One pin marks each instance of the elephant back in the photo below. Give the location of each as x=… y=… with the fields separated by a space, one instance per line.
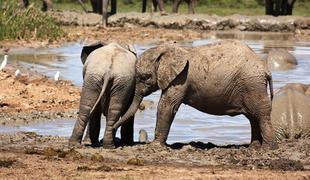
x=290 y=115
x=281 y=59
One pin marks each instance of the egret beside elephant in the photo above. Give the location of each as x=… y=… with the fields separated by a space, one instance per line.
x=108 y=87
x=224 y=78
x=291 y=112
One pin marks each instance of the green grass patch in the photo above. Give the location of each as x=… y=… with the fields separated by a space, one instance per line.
x=26 y=23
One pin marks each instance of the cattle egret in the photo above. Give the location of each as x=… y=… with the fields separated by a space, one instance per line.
x=56 y=77
x=17 y=72
x=4 y=62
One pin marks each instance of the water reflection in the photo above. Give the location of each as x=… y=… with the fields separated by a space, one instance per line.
x=189 y=124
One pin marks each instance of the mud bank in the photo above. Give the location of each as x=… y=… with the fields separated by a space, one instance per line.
x=32 y=97
x=26 y=152
x=188 y=21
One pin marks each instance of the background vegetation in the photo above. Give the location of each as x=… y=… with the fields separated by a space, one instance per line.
x=26 y=23
x=19 y=23
x=218 y=7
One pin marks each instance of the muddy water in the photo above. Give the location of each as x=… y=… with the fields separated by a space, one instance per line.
x=189 y=124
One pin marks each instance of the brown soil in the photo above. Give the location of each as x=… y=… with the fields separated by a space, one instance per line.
x=32 y=97
x=27 y=155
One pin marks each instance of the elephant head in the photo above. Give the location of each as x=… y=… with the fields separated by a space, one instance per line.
x=88 y=49
x=155 y=69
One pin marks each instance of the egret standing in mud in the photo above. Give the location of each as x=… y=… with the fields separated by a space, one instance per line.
x=17 y=73
x=4 y=62
x=56 y=77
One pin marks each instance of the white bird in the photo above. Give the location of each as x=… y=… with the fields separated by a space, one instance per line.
x=4 y=62
x=17 y=72
x=56 y=77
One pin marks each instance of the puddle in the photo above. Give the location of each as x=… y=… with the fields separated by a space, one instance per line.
x=189 y=124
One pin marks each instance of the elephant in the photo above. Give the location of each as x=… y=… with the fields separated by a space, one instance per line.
x=224 y=78
x=46 y=4
x=97 y=6
x=191 y=4
x=175 y=6
x=290 y=114
x=108 y=87
x=155 y=3
x=280 y=59
x=279 y=7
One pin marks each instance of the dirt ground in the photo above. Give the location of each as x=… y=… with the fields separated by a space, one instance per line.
x=32 y=97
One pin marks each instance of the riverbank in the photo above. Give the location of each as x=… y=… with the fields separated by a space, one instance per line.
x=31 y=97
x=33 y=156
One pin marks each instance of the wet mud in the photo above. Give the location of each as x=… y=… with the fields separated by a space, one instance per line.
x=290 y=160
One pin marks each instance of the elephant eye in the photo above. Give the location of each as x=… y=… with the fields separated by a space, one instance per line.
x=145 y=77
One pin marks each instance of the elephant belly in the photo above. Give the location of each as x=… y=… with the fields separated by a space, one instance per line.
x=216 y=105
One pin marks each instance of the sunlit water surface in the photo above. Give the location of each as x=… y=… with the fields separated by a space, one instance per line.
x=189 y=123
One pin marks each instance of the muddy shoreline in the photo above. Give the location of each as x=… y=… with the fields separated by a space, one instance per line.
x=195 y=159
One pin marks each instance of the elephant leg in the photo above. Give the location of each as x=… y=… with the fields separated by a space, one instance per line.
x=168 y=105
x=256 y=137
x=155 y=5
x=94 y=126
x=191 y=6
x=117 y=104
x=175 y=6
x=160 y=4
x=144 y=4
x=278 y=7
x=127 y=132
x=258 y=110
x=89 y=96
x=269 y=7
x=113 y=7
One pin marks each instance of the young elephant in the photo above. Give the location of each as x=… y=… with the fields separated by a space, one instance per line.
x=290 y=114
x=225 y=78
x=108 y=87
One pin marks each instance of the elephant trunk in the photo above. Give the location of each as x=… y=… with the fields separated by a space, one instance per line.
x=130 y=112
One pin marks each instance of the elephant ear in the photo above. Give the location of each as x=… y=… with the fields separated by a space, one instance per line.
x=88 y=49
x=171 y=64
x=132 y=49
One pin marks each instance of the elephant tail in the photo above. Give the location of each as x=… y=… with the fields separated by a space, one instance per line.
x=103 y=90
x=269 y=79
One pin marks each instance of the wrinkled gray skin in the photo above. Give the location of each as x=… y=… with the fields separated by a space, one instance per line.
x=281 y=59
x=225 y=78
x=108 y=87
x=291 y=112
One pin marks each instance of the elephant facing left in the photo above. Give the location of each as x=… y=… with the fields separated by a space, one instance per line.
x=108 y=89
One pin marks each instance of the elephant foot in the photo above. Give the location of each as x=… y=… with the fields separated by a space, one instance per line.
x=156 y=143
x=108 y=146
x=255 y=145
x=270 y=146
x=73 y=143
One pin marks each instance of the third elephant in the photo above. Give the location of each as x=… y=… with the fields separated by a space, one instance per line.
x=291 y=112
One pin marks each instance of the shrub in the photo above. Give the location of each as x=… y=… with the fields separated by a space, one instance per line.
x=26 y=23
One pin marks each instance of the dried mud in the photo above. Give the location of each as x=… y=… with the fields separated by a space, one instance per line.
x=31 y=97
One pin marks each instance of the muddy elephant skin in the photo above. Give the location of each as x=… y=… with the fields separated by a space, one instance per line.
x=108 y=87
x=280 y=60
x=197 y=77
x=291 y=112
